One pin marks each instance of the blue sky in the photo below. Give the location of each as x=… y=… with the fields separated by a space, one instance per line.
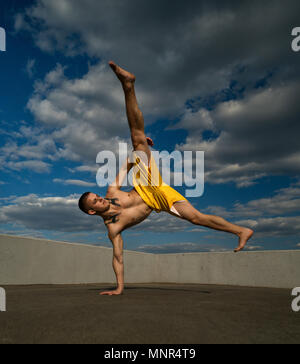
x=213 y=77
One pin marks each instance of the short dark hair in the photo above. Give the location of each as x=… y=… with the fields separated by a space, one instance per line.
x=82 y=202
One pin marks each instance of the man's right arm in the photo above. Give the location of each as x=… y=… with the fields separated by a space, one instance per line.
x=118 y=264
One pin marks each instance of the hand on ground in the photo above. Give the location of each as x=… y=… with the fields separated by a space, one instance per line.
x=111 y=293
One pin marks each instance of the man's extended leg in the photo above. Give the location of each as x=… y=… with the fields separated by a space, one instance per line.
x=134 y=114
x=188 y=212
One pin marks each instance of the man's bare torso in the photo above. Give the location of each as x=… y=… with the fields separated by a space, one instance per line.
x=126 y=209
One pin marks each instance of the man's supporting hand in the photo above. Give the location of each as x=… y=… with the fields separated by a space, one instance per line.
x=112 y=293
x=118 y=264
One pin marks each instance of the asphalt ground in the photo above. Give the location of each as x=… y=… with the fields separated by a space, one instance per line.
x=149 y=314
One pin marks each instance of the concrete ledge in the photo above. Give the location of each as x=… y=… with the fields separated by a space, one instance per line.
x=26 y=261
x=277 y=269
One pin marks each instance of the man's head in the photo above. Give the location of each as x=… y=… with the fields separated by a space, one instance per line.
x=92 y=204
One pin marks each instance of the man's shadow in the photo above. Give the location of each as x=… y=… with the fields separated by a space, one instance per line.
x=153 y=288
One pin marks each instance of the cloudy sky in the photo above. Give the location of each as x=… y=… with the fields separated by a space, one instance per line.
x=213 y=76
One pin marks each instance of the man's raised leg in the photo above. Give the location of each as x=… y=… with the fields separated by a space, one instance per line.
x=134 y=114
x=188 y=212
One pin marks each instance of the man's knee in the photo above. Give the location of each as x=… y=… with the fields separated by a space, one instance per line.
x=198 y=218
x=139 y=143
x=194 y=219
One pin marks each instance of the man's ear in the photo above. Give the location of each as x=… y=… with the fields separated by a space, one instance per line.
x=91 y=212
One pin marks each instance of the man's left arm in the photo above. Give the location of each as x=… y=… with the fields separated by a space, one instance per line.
x=124 y=170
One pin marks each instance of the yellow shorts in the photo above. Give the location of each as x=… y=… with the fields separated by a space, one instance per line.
x=150 y=186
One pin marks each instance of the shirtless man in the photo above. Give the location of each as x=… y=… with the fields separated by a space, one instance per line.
x=121 y=210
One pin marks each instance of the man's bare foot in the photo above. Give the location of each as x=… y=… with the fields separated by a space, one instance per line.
x=125 y=77
x=245 y=235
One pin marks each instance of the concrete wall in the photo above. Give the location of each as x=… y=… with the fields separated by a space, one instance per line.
x=279 y=269
x=36 y=261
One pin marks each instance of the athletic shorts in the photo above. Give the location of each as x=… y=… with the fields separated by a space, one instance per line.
x=149 y=185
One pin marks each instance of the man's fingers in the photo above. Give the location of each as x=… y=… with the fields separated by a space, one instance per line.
x=109 y=293
x=150 y=141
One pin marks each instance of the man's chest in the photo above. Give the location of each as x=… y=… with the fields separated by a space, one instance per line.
x=131 y=210
x=124 y=200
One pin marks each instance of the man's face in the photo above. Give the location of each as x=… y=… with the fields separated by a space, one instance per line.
x=95 y=203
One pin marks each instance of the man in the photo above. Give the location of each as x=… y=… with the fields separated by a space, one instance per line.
x=121 y=210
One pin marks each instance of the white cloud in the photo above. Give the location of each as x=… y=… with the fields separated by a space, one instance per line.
x=254 y=140
x=284 y=201
x=276 y=226
x=32 y=165
x=34 y=154
x=183 y=53
x=253 y=247
x=185 y=247
x=48 y=213
x=72 y=182
x=84 y=168
x=88 y=113
x=30 y=67
x=62 y=214
x=266 y=215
